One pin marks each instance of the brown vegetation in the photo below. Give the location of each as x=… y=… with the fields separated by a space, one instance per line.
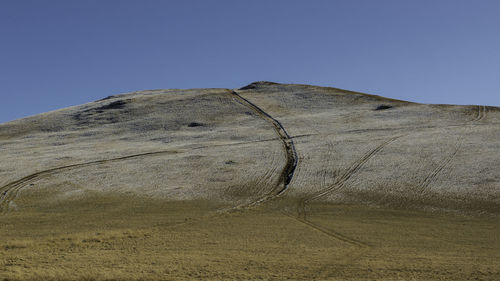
x=271 y=181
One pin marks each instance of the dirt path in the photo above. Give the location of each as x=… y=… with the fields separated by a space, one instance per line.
x=288 y=145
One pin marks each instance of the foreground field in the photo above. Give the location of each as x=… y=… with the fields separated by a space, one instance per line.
x=126 y=238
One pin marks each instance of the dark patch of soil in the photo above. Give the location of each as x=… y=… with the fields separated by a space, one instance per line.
x=195 y=124
x=119 y=104
x=97 y=115
x=383 y=107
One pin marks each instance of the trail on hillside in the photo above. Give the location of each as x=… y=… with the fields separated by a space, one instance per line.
x=331 y=233
x=291 y=165
x=341 y=181
x=338 y=184
x=481 y=114
x=288 y=145
x=424 y=184
x=431 y=177
x=9 y=191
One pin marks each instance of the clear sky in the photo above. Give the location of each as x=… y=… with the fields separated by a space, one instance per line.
x=56 y=54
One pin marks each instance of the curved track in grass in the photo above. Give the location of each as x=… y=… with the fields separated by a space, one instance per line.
x=288 y=145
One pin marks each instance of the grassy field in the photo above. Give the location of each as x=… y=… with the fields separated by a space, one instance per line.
x=270 y=181
x=128 y=238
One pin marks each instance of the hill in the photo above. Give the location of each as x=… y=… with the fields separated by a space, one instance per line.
x=347 y=176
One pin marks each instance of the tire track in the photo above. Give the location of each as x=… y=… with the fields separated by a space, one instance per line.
x=478 y=116
x=434 y=173
x=288 y=145
x=329 y=159
x=329 y=232
x=481 y=114
x=9 y=191
x=338 y=184
x=268 y=177
x=424 y=184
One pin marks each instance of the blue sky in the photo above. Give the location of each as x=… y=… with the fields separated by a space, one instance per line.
x=56 y=54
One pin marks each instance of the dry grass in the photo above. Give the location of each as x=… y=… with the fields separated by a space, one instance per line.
x=181 y=184
x=128 y=238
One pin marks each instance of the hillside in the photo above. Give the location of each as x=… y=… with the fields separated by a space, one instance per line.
x=338 y=165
